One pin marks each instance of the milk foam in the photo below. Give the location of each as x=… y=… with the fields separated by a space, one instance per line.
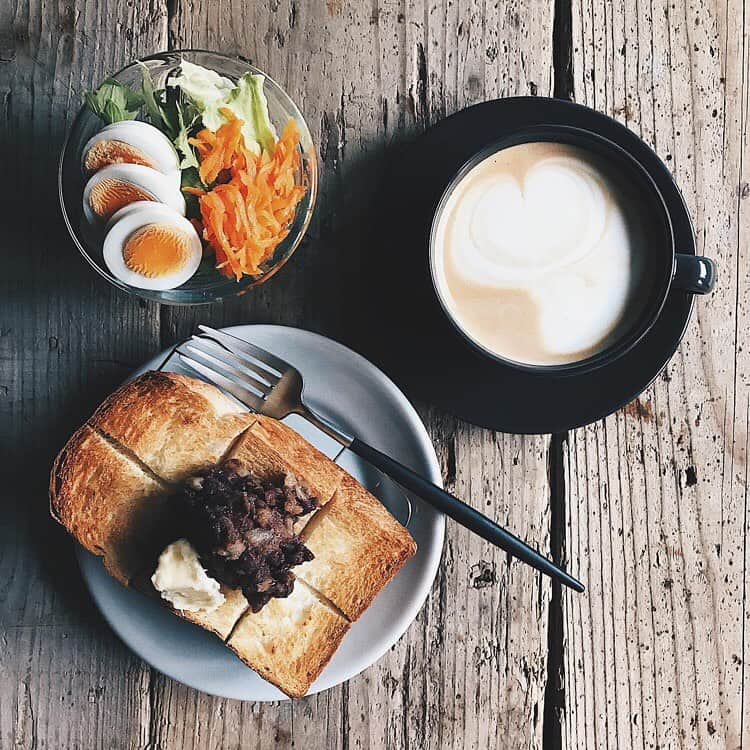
x=536 y=235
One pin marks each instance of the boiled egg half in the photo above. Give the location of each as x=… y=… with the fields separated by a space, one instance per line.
x=117 y=185
x=151 y=246
x=131 y=142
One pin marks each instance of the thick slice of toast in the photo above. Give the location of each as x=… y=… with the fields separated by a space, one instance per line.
x=173 y=424
x=290 y=640
x=270 y=447
x=108 y=503
x=358 y=546
x=221 y=621
x=109 y=487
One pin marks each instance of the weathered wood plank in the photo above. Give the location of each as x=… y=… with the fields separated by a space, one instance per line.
x=66 y=339
x=471 y=671
x=656 y=494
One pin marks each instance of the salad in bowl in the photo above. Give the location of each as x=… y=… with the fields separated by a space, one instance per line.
x=187 y=177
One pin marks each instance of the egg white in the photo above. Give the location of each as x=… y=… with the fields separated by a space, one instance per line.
x=160 y=186
x=130 y=219
x=147 y=139
x=134 y=207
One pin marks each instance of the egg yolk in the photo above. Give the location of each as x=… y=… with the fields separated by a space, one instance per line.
x=108 y=152
x=156 y=250
x=110 y=195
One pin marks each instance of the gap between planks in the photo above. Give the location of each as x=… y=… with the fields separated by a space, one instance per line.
x=554 y=692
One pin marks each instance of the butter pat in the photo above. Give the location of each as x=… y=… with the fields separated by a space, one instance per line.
x=182 y=581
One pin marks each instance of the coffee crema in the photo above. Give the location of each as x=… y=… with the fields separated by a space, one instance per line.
x=535 y=253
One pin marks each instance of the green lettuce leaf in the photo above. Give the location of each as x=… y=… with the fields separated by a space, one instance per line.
x=191 y=178
x=189 y=158
x=248 y=103
x=206 y=88
x=152 y=100
x=172 y=113
x=211 y=93
x=114 y=101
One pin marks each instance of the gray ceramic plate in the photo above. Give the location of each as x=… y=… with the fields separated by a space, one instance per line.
x=349 y=391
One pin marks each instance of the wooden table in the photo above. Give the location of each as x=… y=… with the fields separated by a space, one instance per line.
x=648 y=506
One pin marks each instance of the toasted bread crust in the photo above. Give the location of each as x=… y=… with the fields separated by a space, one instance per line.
x=289 y=641
x=270 y=447
x=109 y=488
x=358 y=546
x=107 y=503
x=175 y=425
x=221 y=621
x=307 y=462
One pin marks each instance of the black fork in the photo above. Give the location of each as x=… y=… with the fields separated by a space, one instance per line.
x=271 y=386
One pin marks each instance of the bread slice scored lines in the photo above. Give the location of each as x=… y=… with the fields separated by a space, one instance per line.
x=110 y=484
x=222 y=621
x=126 y=529
x=290 y=641
x=173 y=424
x=258 y=448
x=110 y=487
x=358 y=546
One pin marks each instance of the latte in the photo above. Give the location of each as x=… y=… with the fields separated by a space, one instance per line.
x=536 y=253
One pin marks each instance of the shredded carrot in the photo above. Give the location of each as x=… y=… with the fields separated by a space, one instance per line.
x=247 y=212
x=193 y=190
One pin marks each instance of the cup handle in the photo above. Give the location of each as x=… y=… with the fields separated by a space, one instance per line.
x=694 y=273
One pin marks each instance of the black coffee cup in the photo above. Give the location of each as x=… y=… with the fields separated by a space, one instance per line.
x=665 y=269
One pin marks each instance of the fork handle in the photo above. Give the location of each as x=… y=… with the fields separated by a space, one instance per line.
x=462 y=513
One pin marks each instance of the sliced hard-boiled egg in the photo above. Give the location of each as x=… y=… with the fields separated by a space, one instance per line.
x=151 y=246
x=132 y=208
x=116 y=185
x=131 y=142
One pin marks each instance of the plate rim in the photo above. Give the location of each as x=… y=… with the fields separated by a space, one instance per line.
x=434 y=554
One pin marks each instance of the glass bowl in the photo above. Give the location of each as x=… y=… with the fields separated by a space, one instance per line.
x=207 y=285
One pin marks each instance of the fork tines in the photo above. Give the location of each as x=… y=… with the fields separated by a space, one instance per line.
x=263 y=357
x=242 y=394
x=244 y=374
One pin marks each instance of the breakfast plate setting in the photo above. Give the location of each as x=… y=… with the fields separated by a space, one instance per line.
x=165 y=508
x=264 y=499
x=374 y=375
x=364 y=397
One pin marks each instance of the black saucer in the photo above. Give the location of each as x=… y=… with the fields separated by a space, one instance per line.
x=419 y=347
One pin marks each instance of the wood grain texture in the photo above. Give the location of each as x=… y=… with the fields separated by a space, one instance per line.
x=657 y=494
x=655 y=654
x=66 y=339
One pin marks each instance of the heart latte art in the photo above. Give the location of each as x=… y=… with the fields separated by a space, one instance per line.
x=533 y=254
